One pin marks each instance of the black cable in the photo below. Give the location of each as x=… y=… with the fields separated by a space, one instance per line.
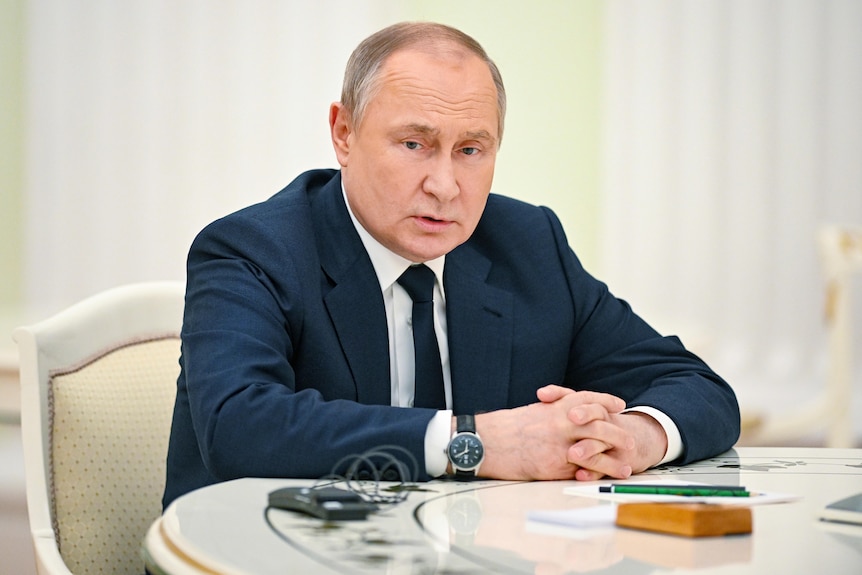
x=363 y=476
x=365 y=472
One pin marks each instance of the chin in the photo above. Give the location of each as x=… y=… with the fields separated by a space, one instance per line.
x=424 y=249
x=424 y=255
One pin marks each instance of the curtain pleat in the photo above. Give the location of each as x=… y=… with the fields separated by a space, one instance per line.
x=733 y=131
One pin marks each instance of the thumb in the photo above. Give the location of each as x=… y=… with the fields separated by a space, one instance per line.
x=551 y=393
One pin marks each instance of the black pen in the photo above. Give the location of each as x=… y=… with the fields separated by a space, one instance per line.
x=683 y=490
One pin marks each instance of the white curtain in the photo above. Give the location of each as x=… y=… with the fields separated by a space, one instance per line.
x=733 y=131
x=147 y=119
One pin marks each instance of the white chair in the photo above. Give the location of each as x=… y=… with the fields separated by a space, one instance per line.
x=830 y=410
x=98 y=381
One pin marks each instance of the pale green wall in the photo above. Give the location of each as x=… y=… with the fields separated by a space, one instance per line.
x=11 y=150
x=549 y=53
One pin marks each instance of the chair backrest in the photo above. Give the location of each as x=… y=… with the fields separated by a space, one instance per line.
x=841 y=253
x=98 y=382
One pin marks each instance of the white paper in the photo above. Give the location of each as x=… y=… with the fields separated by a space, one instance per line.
x=593 y=516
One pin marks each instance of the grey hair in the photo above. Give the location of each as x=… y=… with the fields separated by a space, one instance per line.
x=363 y=68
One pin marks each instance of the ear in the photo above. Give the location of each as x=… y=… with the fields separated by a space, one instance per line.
x=340 y=128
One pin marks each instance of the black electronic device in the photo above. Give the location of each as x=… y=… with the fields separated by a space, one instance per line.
x=328 y=503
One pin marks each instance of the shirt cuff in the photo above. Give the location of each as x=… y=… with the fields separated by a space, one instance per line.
x=436 y=439
x=674 y=439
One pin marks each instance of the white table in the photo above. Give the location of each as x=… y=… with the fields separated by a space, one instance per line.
x=481 y=527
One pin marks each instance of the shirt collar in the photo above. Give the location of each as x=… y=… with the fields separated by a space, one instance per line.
x=387 y=264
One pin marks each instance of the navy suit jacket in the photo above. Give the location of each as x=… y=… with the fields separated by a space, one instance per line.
x=285 y=356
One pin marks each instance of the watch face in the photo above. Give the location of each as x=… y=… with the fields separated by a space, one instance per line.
x=466 y=451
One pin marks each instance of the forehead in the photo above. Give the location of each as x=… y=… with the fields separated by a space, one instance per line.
x=449 y=83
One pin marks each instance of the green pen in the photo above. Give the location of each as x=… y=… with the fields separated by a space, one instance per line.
x=683 y=490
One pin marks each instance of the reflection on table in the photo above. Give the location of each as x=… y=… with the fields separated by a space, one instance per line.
x=481 y=527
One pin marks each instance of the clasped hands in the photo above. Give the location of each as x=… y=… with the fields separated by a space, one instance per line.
x=569 y=434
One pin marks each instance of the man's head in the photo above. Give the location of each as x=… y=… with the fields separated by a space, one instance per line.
x=361 y=76
x=416 y=134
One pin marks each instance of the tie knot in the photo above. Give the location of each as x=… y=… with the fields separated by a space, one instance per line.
x=418 y=281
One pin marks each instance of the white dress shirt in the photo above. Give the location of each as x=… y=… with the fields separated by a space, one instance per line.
x=399 y=311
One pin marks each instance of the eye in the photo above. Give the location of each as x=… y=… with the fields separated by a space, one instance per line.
x=469 y=151
x=412 y=145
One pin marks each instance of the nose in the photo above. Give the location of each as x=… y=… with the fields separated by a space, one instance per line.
x=441 y=181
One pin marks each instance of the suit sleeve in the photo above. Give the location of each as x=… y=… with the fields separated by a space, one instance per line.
x=615 y=351
x=247 y=304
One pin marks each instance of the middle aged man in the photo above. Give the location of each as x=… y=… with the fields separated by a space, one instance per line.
x=297 y=348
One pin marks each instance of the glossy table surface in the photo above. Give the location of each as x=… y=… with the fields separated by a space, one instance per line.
x=482 y=527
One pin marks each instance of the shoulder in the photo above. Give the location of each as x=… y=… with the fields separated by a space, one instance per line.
x=512 y=221
x=521 y=241
x=297 y=195
x=272 y=236
x=286 y=211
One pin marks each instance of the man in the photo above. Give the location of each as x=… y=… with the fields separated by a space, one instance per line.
x=297 y=350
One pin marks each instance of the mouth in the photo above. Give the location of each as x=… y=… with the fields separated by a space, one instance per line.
x=431 y=223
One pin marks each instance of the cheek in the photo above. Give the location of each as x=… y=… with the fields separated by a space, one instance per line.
x=395 y=185
x=476 y=208
x=475 y=195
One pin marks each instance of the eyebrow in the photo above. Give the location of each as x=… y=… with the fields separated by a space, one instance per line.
x=479 y=135
x=419 y=128
x=428 y=130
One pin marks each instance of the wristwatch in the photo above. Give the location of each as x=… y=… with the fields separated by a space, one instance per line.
x=465 y=449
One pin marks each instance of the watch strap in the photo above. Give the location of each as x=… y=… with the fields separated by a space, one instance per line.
x=465 y=423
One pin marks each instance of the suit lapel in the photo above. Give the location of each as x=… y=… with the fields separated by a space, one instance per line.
x=480 y=323
x=479 y=315
x=354 y=302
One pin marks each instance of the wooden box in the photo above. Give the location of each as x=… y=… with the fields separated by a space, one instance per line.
x=687 y=519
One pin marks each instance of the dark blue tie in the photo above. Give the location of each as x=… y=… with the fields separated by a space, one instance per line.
x=418 y=281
